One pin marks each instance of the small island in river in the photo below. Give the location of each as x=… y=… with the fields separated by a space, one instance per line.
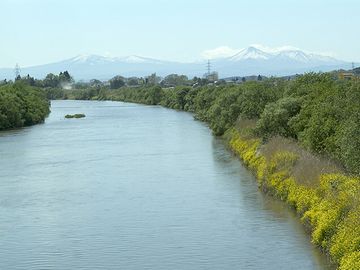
x=77 y=115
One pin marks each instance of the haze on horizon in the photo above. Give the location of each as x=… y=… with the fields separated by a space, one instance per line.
x=43 y=31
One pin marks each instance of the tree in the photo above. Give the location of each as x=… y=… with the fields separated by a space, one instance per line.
x=276 y=117
x=64 y=77
x=28 y=80
x=95 y=83
x=255 y=97
x=174 y=80
x=117 y=82
x=349 y=144
x=133 y=81
x=152 y=79
x=180 y=97
x=51 y=80
x=155 y=94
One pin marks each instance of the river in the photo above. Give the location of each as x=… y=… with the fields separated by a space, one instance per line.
x=137 y=187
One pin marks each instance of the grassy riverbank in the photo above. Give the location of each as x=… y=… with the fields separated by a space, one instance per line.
x=301 y=139
x=327 y=201
x=22 y=105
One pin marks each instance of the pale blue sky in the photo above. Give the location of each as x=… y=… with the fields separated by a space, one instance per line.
x=42 y=31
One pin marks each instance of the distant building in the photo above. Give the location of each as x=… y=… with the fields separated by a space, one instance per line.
x=346 y=75
x=212 y=76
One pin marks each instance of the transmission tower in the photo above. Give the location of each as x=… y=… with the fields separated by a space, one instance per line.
x=208 y=66
x=17 y=71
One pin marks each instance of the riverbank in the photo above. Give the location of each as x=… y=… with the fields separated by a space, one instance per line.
x=330 y=209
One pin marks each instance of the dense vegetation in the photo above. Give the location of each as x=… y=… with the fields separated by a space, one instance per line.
x=301 y=138
x=22 y=105
x=318 y=111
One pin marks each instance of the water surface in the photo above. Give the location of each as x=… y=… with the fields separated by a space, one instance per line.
x=137 y=187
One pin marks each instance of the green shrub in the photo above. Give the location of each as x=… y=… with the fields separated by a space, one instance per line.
x=22 y=105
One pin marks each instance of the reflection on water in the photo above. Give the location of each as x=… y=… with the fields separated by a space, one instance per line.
x=137 y=187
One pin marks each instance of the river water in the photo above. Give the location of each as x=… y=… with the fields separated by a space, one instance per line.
x=137 y=187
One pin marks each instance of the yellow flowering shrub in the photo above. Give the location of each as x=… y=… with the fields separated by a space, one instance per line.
x=331 y=208
x=350 y=261
x=347 y=238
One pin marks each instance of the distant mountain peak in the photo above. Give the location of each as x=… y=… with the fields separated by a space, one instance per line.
x=296 y=55
x=135 y=59
x=90 y=58
x=80 y=58
x=98 y=59
x=286 y=53
x=250 y=53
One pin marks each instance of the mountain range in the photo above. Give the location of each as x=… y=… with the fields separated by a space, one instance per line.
x=249 y=61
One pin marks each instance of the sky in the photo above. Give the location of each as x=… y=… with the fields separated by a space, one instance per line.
x=36 y=32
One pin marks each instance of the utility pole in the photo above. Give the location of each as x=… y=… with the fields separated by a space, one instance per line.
x=17 y=71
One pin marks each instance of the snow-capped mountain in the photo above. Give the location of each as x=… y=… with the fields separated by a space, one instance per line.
x=292 y=54
x=92 y=59
x=276 y=62
x=98 y=59
x=295 y=55
x=134 y=59
x=253 y=60
x=250 y=53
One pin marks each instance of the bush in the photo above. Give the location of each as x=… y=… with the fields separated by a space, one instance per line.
x=350 y=261
x=275 y=118
x=22 y=105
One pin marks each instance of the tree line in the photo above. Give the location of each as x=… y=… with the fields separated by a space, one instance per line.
x=315 y=109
